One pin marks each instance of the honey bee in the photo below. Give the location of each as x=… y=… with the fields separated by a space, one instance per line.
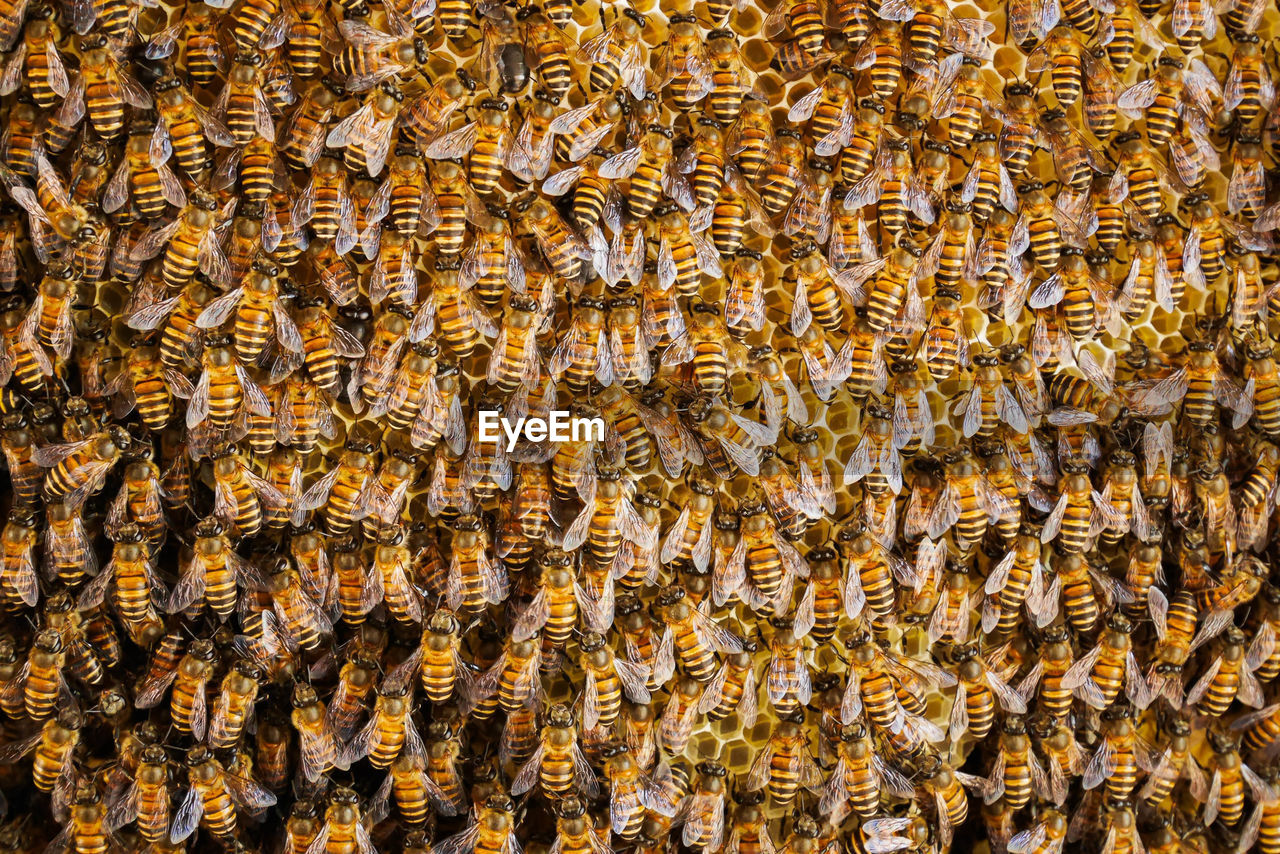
x=979 y=690
x=344 y=826
x=1174 y=762
x=231 y=709
x=785 y=766
x=653 y=171
x=366 y=135
x=683 y=66
x=930 y=26
x=558 y=763
x=860 y=776
x=896 y=188
x=188 y=703
x=563 y=250
x=186 y=124
x=492 y=831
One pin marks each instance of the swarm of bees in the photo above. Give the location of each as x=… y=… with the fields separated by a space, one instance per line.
x=937 y=492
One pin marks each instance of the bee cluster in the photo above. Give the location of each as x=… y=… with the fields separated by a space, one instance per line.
x=936 y=496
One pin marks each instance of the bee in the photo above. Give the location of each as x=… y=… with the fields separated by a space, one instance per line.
x=44 y=674
x=1088 y=303
x=390 y=732
x=591 y=192
x=108 y=87
x=558 y=763
x=232 y=708
x=78 y=469
x=205 y=56
x=691 y=637
x=68 y=550
x=653 y=171
x=979 y=690
x=367 y=134
x=929 y=25
x=1173 y=93
x=342 y=490
x=1141 y=176
x=608 y=677
x=946 y=341
x=53 y=746
x=896 y=188
x=1231 y=675
x=728 y=440
x=562 y=249
x=1099 y=676
x=989 y=401
x=1201 y=384
x=242 y=499
x=297 y=614
x=370 y=56
x=186 y=124
x=876 y=457
x=212 y=573
x=327 y=205
x=860 y=776
x=513 y=676
x=415 y=793
x=817 y=292
x=302 y=826
x=344 y=827
x=488 y=140
x=18 y=579
x=144 y=173
x=188 y=704
x=785 y=766
x=474 y=576
x=549 y=50
x=833 y=125
x=1017 y=772
x=707 y=346
x=1231 y=783
x=258 y=308
x=243 y=105
x=1172 y=764
x=704 y=824
x=301 y=137
x=492 y=832
x=617 y=56
x=443 y=754
x=23 y=141
x=575 y=833
x=683 y=65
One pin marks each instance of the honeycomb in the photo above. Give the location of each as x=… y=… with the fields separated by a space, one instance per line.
x=128 y=650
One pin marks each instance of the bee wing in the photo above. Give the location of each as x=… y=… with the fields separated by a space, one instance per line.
x=217 y=311
x=621 y=165
x=1202 y=684
x=187 y=816
x=1135 y=685
x=1010 y=699
x=714 y=634
x=747 y=459
x=1212 y=626
x=350 y=131
x=190 y=587
x=802 y=109
x=1137 y=98
x=316 y=749
x=1213 y=801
